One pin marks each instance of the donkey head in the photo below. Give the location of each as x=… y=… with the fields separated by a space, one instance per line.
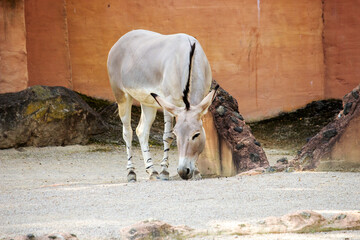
x=189 y=132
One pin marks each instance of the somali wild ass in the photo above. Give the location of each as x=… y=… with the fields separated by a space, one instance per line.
x=168 y=71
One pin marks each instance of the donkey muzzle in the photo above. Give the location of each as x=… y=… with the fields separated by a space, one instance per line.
x=185 y=172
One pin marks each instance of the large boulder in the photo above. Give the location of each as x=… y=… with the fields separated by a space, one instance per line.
x=43 y=116
x=230 y=148
x=337 y=146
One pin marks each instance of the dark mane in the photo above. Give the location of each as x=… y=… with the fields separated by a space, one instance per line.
x=187 y=88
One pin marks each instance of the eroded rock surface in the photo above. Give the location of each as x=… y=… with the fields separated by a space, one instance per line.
x=337 y=146
x=245 y=151
x=44 y=116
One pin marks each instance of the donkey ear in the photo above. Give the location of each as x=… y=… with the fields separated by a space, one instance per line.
x=171 y=108
x=206 y=102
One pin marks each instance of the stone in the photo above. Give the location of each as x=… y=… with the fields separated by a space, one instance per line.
x=355 y=94
x=271 y=169
x=238 y=129
x=257 y=143
x=347 y=108
x=336 y=146
x=221 y=110
x=239 y=116
x=328 y=134
x=254 y=157
x=43 y=116
x=283 y=160
x=239 y=146
x=230 y=145
x=154 y=229
x=55 y=236
x=234 y=119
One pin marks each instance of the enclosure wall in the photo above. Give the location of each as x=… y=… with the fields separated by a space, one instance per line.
x=272 y=56
x=13 y=61
x=341 y=46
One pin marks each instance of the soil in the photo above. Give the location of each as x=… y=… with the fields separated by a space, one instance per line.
x=83 y=190
x=292 y=130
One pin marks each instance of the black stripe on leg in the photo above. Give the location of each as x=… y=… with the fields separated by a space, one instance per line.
x=149 y=160
x=149 y=166
x=166 y=150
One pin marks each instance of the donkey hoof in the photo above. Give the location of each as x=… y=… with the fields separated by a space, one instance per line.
x=154 y=175
x=131 y=177
x=164 y=175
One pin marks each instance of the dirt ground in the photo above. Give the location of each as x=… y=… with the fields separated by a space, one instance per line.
x=83 y=190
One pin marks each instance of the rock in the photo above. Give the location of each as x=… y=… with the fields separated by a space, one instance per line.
x=347 y=108
x=283 y=160
x=238 y=147
x=336 y=146
x=257 y=143
x=254 y=157
x=42 y=116
x=54 y=236
x=221 y=110
x=238 y=129
x=355 y=94
x=271 y=169
x=234 y=119
x=346 y=220
x=153 y=229
x=238 y=115
x=328 y=134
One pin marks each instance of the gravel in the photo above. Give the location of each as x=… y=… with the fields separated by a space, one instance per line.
x=83 y=190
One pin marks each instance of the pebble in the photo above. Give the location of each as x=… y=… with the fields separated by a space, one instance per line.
x=254 y=157
x=347 y=108
x=329 y=134
x=283 y=160
x=234 y=119
x=355 y=94
x=238 y=115
x=221 y=110
x=239 y=146
x=257 y=143
x=238 y=129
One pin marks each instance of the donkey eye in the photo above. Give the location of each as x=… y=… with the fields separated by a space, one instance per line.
x=195 y=136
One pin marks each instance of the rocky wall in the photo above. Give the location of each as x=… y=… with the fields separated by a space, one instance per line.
x=13 y=61
x=267 y=54
x=47 y=43
x=341 y=46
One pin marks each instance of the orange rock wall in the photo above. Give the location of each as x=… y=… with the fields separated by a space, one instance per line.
x=341 y=46
x=13 y=61
x=47 y=43
x=268 y=54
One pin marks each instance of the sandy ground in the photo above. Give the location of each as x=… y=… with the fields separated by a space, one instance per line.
x=83 y=190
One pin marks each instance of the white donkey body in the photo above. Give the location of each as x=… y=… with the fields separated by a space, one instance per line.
x=169 y=66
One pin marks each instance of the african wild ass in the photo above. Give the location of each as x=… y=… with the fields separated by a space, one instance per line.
x=167 y=70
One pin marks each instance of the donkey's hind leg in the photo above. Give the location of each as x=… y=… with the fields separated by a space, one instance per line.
x=142 y=131
x=124 y=105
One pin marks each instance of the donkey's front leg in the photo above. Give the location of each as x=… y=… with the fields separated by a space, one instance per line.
x=168 y=137
x=142 y=131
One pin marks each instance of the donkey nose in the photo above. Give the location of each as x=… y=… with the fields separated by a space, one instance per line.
x=185 y=173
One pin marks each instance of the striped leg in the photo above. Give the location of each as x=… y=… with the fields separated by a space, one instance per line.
x=142 y=131
x=168 y=137
x=125 y=116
